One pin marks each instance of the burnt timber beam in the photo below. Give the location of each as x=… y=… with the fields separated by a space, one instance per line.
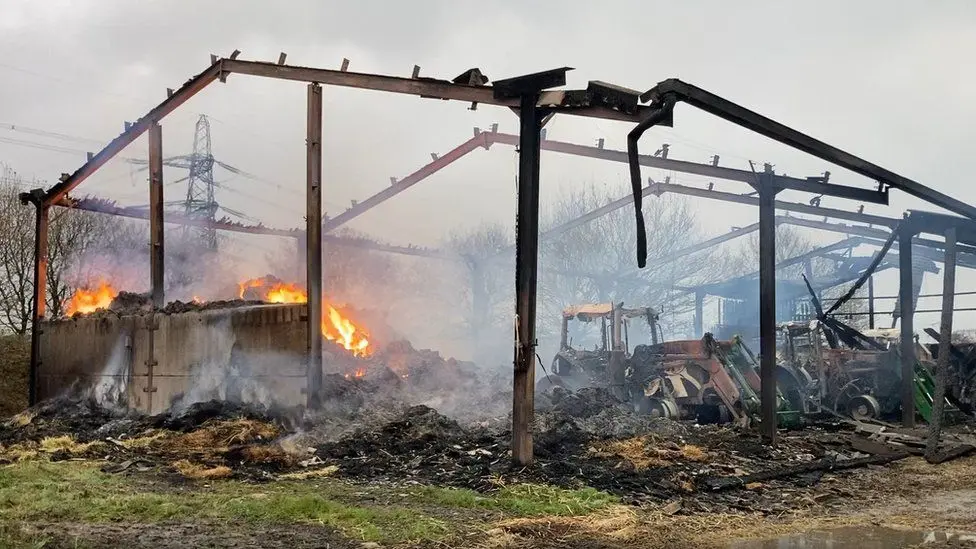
x=156 y=242
x=313 y=232
x=675 y=90
x=573 y=102
x=401 y=185
x=133 y=132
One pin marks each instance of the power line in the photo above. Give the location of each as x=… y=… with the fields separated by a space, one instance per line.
x=45 y=133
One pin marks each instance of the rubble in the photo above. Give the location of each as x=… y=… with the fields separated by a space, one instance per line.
x=371 y=429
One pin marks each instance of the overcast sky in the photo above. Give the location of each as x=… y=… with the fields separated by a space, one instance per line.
x=888 y=80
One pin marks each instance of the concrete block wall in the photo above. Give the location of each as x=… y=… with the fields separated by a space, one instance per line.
x=253 y=353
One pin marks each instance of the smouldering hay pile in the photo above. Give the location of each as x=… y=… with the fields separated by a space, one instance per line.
x=585 y=439
x=648 y=451
x=204 y=442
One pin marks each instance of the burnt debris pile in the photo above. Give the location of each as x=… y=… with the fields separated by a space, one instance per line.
x=368 y=430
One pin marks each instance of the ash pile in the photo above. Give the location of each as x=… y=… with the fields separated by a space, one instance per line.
x=414 y=417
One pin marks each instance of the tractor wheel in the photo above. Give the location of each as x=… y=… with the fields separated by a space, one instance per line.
x=658 y=407
x=864 y=407
x=548 y=383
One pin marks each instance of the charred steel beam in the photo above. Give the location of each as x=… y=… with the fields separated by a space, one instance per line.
x=99 y=206
x=699 y=310
x=923 y=247
x=707 y=170
x=188 y=90
x=905 y=291
x=945 y=344
x=156 y=243
x=39 y=298
x=674 y=89
x=661 y=188
x=574 y=102
x=527 y=259
x=767 y=190
x=936 y=223
x=871 y=302
x=313 y=232
x=401 y=185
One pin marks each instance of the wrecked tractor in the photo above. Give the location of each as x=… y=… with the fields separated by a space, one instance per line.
x=707 y=380
x=575 y=367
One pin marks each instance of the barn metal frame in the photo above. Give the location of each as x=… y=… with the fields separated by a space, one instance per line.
x=535 y=102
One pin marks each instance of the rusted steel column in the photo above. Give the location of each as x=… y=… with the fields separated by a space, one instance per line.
x=41 y=221
x=767 y=306
x=313 y=234
x=156 y=252
x=871 y=302
x=699 y=306
x=564 y=334
x=526 y=272
x=301 y=257
x=945 y=343
x=907 y=313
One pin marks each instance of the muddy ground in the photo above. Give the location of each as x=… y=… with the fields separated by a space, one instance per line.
x=375 y=460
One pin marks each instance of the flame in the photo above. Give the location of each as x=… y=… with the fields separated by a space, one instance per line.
x=198 y=299
x=286 y=293
x=360 y=372
x=335 y=327
x=341 y=330
x=88 y=300
x=274 y=291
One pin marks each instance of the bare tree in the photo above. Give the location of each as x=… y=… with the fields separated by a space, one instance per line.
x=595 y=262
x=792 y=242
x=16 y=255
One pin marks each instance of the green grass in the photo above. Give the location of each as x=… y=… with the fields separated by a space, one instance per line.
x=524 y=500
x=79 y=492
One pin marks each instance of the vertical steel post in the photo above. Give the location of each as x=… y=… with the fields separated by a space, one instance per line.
x=41 y=221
x=871 y=302
x=526 y=266
x=699 y=305
x=564 y=334
x=945 y=343
x=156 y=252
x=767 y=306
x=907 y=312
x=313 y=235
x=301 y=257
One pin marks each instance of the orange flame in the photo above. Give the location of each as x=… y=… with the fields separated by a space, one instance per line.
x=198 y=300
x=335 y=327
x=89 y=300
x=342 y=331
x=286 y=293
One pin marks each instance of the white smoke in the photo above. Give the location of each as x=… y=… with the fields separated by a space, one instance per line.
x=110 y=389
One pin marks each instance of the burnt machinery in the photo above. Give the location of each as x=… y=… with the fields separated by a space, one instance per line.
x=860 y=381
x=707 y=380
x=575 y=367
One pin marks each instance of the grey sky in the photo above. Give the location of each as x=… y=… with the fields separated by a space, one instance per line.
x=891 y=81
